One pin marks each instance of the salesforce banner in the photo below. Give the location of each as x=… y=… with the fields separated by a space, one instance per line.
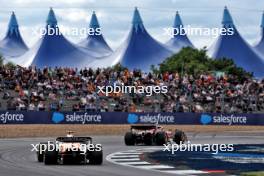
x=33 y=117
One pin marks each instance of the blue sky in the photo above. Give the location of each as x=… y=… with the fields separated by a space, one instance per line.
x=115 y=16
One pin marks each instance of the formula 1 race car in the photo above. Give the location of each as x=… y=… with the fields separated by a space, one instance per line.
x=70 y=149
x=153 y=135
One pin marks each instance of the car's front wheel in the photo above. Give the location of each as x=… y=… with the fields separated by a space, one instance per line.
x=179 y=137
x=50 y=157
x=96 y=158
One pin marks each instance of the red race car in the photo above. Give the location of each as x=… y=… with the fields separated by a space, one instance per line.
x=153 y=135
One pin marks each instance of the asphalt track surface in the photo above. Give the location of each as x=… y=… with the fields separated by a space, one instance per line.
x=16 y=158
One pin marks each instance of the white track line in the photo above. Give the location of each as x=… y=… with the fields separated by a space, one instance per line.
x=136 y=163
x=126 y=159
x=185 y=172
x=124 y=156
x=128 y=153
x=156 y=167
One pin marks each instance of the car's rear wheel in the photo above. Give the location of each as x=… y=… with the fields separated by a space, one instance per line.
x=161 y=138
x=148 y=139
x=40 y=152
x=50 y=157
x=85 y=160
x=179 y=137
x=96 y=158
x=129 y=139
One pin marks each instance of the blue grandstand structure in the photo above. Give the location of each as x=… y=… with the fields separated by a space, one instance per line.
x=235 y=47
x=260 y=45
x=13 y=44
x=178 y=41
x=96 y=41
x=140 y=50
x=54 y=50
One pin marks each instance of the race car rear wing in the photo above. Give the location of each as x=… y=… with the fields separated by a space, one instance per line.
x=74 y=139
x=144 y=127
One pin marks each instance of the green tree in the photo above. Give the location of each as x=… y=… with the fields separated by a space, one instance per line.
x=194 y=61
x=118 y=67
x=188 y=60
x=10 y=65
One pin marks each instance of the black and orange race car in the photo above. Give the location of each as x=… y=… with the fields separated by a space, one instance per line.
x=153 y=135
x=70 y=149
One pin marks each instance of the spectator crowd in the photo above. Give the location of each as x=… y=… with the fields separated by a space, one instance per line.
x=66 y=89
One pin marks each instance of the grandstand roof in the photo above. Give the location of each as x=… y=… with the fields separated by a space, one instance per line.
x=260 y=45
x=55 y=50
x=227 y=20
x=12 y=45
x=140 y=50
x=178 y=41
x=51 y=20
x=235 y=47
x=96 y=41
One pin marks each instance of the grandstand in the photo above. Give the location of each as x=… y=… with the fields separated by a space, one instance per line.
x=56 y=78
x=64 y=89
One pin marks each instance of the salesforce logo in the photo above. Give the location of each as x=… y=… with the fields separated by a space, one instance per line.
x=223 y=119
x=132 y=118
x=83 y=118
x=57 y=117
x=11 y=118
x=150 y=118
x=206 y=119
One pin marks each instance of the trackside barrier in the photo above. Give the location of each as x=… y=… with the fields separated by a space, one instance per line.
x=39 y=117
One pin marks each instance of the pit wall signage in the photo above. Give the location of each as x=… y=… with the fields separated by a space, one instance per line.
x=41 y=117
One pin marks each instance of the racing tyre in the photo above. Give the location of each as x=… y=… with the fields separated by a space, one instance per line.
x=96 y=158
x=129 y=139
x=148 y=139
x=161 y=138
x=40 y=152
x=50 y=157
x=179 y=137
